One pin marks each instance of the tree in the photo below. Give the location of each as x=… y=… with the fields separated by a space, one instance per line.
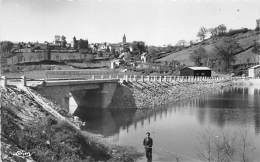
x=221 y=29
x=63 y=41
x=57 y=39
x=226 y=50
x=256 y=49
x=83 y=44
x=202 y=33
x=257 y=25
x=212 y=59
x=213 y=32
x=6 y=46
x=198 y=56
x=75 y=43
x=191 y=43
x=138 y=47
x=181 y=43
x=225 y=146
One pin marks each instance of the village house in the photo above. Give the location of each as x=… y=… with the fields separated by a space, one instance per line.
x=115 y=63
x=144 y=57
x=58 y=51
x=34 y=55
x=254 y=71
x=196 y=71
x=43 y=55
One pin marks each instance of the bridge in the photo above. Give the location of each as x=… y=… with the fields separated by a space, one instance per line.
x=77 y=77
x=93 y=90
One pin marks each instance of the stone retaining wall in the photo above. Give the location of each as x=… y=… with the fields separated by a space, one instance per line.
x=152 y=94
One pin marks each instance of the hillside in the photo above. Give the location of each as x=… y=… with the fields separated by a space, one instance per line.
x=245 y=40
x=30 y=133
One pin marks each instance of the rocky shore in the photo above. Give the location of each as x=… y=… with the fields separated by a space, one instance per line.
x=154 y=94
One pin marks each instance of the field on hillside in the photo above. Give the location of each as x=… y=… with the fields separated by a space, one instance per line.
x=244 y=39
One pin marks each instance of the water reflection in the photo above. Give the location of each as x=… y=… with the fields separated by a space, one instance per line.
x=106 y=121
x=236 y=106
x=230 y=108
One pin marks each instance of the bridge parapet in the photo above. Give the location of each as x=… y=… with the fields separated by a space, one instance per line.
x=21 y=81
x=106 y=75
x=87 y=78
x=107 y=78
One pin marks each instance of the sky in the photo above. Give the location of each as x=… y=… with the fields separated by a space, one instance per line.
x=156 y=22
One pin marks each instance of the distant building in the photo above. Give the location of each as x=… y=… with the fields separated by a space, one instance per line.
x=258 y=24
x=57 y=40
x=116 y=47
x=126 y=56
x=27 y=57
x=196 y=71
x=144 y=57
x=124 y=39
x=23 y=56
x=115 y=63
x=254 y=71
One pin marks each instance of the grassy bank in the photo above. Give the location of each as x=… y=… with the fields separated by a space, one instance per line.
x=27 y=127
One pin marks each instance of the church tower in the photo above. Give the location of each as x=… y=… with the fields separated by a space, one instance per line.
x=124 y=39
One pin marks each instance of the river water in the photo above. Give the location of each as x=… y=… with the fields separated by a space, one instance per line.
x=179 y=130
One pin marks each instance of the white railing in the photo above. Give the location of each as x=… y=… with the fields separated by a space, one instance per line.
x=148 y=78
x=120 y=77
x=20 y=80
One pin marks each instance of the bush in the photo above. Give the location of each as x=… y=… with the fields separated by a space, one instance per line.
x=52 y=141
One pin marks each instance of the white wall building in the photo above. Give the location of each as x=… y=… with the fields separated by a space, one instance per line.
x=144 y=57
x=254 y=71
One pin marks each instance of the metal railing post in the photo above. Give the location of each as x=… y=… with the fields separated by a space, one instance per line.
x=3 y=81
x=126 y=78
x=23 y=80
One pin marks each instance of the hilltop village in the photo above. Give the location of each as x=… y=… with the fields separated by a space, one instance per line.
x=79 y=54
x=223 y=51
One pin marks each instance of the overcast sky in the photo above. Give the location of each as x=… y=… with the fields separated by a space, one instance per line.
x=156 y=22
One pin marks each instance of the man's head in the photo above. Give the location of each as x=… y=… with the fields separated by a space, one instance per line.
x=148 y=134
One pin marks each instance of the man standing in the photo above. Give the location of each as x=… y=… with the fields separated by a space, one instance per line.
x=148 y=144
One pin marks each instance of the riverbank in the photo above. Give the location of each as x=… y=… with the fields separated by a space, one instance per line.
x=153 y=94
x=28 y=128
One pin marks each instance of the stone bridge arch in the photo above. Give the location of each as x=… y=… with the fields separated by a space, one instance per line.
x=91 y=95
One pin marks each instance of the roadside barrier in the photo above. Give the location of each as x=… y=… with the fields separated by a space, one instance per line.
x=119 y=76
x=8 y=81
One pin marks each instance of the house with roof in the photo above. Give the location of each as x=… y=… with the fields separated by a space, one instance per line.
x=144 y=57
x=196 y=71
x=254 y=71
